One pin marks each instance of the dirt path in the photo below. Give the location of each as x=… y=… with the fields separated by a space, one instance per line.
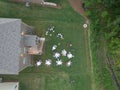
x=77 y=6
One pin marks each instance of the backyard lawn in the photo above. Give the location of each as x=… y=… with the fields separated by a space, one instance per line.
x=66 y=21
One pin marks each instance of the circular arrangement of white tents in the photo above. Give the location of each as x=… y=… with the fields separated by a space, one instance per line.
x=58 y=55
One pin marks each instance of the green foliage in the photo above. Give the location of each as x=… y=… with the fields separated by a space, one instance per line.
x=105 y=21
x=115 y=46
x=104 y=14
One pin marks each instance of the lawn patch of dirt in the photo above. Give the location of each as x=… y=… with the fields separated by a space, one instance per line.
x=78 y=7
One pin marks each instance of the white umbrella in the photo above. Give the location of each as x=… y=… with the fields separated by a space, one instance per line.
x=56 y=55
x=68 y=63
x=69 y=55
x=39 y=63
x=64 y=52
x=85 y=25
x=48 y=62
x=59 y=62
x=54 y=47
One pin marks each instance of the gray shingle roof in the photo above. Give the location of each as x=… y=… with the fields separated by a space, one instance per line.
x=10 y=37
x=30 y=40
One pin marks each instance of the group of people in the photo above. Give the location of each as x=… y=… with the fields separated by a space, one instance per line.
x=51 y=30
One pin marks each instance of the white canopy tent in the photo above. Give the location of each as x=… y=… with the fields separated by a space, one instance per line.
x=64 y=52
x=57 y=55
x=48 y=62
x=69 y=55
x=59 y=62
x=39 y=63
x=68 y=63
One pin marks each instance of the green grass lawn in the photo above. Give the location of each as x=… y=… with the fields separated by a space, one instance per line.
x=69 y=23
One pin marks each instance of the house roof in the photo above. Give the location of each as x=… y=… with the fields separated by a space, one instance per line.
x=30 y=40
x=10 y=50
